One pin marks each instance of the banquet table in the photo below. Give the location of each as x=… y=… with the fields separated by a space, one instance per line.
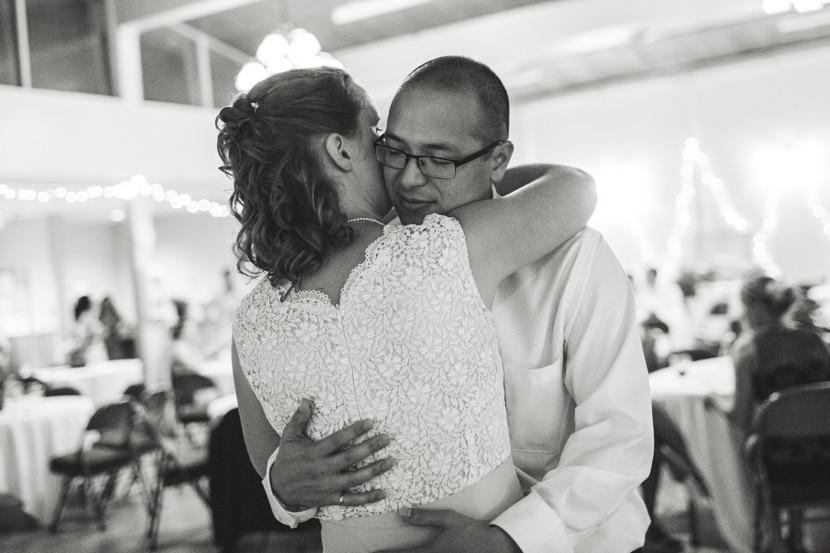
x=716 y=447
x=103 y=382
x=33 y=429
x=713 y=443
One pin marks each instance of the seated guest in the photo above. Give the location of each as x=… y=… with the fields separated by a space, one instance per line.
x=769 y=355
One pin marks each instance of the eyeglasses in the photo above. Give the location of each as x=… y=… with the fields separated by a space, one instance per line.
x=433 y=167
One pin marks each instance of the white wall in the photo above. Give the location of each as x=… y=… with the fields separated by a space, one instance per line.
x=191 y=252
x=630 y=136
x=25 y=247
x=82 y=139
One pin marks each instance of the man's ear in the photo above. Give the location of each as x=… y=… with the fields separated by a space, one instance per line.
x=337 y=150
x=500 y=157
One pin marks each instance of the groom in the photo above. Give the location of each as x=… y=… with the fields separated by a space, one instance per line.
x=576 y=384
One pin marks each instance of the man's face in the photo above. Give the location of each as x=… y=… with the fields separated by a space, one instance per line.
x=434 y=123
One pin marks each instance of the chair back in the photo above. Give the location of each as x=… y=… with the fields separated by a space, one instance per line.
x=114 y=424
x=788 y=357
x=135 y=392
x=185 y=387
x=797 y=412
x=62 y=391
x=793 y=432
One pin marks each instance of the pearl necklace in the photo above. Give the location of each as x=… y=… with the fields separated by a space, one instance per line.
x=367 y=219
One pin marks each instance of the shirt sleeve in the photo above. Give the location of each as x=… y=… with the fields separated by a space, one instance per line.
x=289 y=518
x=591 y=501
x=745 y=358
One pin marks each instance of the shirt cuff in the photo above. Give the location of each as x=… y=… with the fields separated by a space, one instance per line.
x=289 y=518
x=534 y=526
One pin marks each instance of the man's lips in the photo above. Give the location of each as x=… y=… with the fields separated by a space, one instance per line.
x=413 y=202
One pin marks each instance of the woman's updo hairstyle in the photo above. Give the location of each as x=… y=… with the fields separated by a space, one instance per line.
x=269 y=141
x=767 y=294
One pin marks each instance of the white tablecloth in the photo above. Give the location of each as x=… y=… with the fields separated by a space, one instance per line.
x=713 y=444
x=32 y=429
x=102 y=382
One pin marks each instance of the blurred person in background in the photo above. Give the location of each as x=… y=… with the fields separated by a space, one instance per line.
x=87 y=335
x=661 y=306
x=770 y=354
x=186 y=348
x=113 y=327
x=806 y=313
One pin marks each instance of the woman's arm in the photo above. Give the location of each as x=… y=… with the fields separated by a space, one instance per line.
x=260 y=437
x=520 y=175
x=505 y=234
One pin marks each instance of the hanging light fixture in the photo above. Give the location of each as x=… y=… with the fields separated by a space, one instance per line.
x=286 y=48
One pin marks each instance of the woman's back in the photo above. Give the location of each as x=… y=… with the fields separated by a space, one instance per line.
x=411 y=345
x=788 y=357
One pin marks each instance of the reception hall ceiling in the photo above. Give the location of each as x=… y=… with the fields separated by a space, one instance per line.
x=568 y=44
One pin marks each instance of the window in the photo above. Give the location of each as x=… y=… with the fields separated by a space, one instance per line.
x=9 y=68
x=69 y=45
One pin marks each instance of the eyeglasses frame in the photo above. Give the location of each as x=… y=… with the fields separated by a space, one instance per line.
x=380 y=141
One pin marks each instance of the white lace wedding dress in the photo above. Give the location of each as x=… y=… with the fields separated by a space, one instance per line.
x=411 y=346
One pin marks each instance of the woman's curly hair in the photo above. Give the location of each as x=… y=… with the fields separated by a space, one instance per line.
x=269 y=140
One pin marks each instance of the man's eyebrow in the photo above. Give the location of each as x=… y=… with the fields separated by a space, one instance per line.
x=443 y=147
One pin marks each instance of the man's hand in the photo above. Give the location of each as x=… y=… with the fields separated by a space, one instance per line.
x=458 y=533
x=313 y=474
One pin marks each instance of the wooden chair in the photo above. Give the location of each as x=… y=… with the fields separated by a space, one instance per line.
x=789 y=450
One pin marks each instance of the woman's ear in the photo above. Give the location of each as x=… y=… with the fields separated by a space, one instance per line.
x=500 y=157
x=337 y=149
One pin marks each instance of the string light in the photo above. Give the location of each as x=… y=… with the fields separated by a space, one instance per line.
x=696 y=163
x=760 y=251
x=801 y=6
x=125 y=190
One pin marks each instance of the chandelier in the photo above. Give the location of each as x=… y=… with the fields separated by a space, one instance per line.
x=284 y=49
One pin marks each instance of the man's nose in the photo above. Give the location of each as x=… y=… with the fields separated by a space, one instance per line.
x=411 y=175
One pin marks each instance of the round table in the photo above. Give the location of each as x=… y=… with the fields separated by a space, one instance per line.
x=32 y=430
x=715 y=445
x=103 y=382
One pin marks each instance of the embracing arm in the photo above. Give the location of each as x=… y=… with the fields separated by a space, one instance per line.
x=503 y=234
x=576 y=189
x=590 y=501
x=260 y=438
x=262 y=443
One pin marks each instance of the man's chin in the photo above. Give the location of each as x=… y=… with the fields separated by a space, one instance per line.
x=411 y=218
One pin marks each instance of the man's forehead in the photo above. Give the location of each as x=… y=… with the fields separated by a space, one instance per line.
x=433 y=120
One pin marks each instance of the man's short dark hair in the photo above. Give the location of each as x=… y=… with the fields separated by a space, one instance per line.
x=461 y=74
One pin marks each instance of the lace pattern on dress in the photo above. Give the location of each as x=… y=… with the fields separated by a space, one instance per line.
x=411 y=346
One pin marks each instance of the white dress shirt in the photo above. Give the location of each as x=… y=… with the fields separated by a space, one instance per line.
x=578 y=402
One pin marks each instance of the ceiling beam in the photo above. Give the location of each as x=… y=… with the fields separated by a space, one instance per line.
x=152 y=14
